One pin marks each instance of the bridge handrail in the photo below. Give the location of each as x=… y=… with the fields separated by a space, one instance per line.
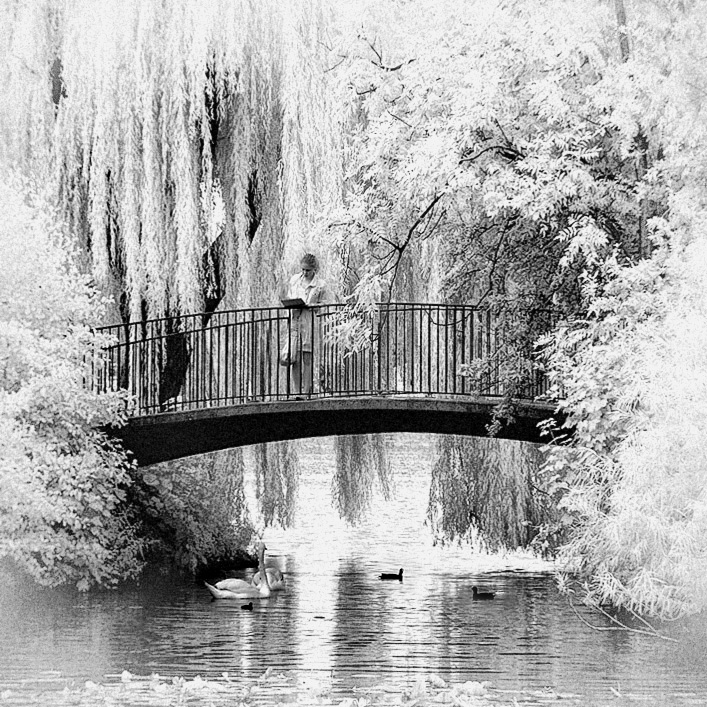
x=341 y=305
x=231 y=356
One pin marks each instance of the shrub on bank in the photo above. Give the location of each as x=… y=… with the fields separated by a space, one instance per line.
x=63 y=482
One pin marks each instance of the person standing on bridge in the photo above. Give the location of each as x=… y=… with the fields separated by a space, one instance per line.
x=308 y=285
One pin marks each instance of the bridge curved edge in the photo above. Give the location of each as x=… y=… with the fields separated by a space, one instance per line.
x=172 y=435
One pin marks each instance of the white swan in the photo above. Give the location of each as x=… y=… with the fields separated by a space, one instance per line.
x=275 y=578
x=240 y=588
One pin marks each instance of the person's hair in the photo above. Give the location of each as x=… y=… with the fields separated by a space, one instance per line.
x=311 y=260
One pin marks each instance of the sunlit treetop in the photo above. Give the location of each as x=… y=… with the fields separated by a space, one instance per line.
x=510 y=141
x=188 y=139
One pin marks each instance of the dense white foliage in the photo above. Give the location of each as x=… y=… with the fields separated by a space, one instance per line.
x=62 y=482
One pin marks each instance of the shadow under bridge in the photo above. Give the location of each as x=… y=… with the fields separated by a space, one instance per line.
x=217 y=380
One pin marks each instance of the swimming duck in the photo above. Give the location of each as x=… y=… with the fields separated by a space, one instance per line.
x=389 y=575
x=248 y=606
x=240 y=588
x=479 y=596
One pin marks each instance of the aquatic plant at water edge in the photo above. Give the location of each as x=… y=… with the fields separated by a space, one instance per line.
x=63 y=482
x=272 y=687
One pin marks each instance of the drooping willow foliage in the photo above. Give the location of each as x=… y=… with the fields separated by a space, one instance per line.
x=277 y=481
x=193 y=142
x=361 y=460
x=487 y=490
x=192 y=145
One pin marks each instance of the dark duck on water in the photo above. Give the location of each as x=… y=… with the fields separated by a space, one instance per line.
x=390 y=575
x=480 y=596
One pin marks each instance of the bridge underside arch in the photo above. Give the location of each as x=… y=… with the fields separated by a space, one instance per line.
x=172 y=435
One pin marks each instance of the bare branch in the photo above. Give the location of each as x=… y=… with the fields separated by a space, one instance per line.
x=376 y=52
x=506 y=150
x=392 y=68
x=651 y=631
x=338 y=63
x=397 y=117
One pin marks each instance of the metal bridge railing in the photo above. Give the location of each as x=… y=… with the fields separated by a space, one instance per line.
x=231 y=357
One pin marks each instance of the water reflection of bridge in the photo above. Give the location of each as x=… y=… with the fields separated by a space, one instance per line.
x=212 y=381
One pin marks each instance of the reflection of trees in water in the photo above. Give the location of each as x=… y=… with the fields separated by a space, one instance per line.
x=155 y=627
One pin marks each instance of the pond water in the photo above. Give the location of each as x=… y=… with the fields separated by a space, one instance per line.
x=340 y=634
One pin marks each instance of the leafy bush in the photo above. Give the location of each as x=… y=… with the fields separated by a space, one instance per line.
x=62 y=481
x=194 y=511
x=633 y=377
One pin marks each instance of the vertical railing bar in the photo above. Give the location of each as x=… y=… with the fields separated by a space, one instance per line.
x=210 y=363
x=436 y=310
x=241 y=333
x=278 y=327
x=488 y=344
x=446 y=349
x=227 y=360
x=465 y=339
x=379 y=342
x=454 y=351
x=145 y=372
x=403 y=312
x=429 y=350
x=420 y=348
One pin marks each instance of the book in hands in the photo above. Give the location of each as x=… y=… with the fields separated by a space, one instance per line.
x=296 y=302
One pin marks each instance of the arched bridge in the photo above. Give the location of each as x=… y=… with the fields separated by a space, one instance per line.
x=217 y=380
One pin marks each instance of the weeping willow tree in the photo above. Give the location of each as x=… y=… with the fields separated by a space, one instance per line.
x=486 y=491
x=361 y=461
x=277 y=480
x=191 y=146
x=192 y=143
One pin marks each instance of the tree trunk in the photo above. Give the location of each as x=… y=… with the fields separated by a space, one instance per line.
x=641 y=142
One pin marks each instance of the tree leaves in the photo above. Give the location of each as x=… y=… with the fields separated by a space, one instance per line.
x=62 y=481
